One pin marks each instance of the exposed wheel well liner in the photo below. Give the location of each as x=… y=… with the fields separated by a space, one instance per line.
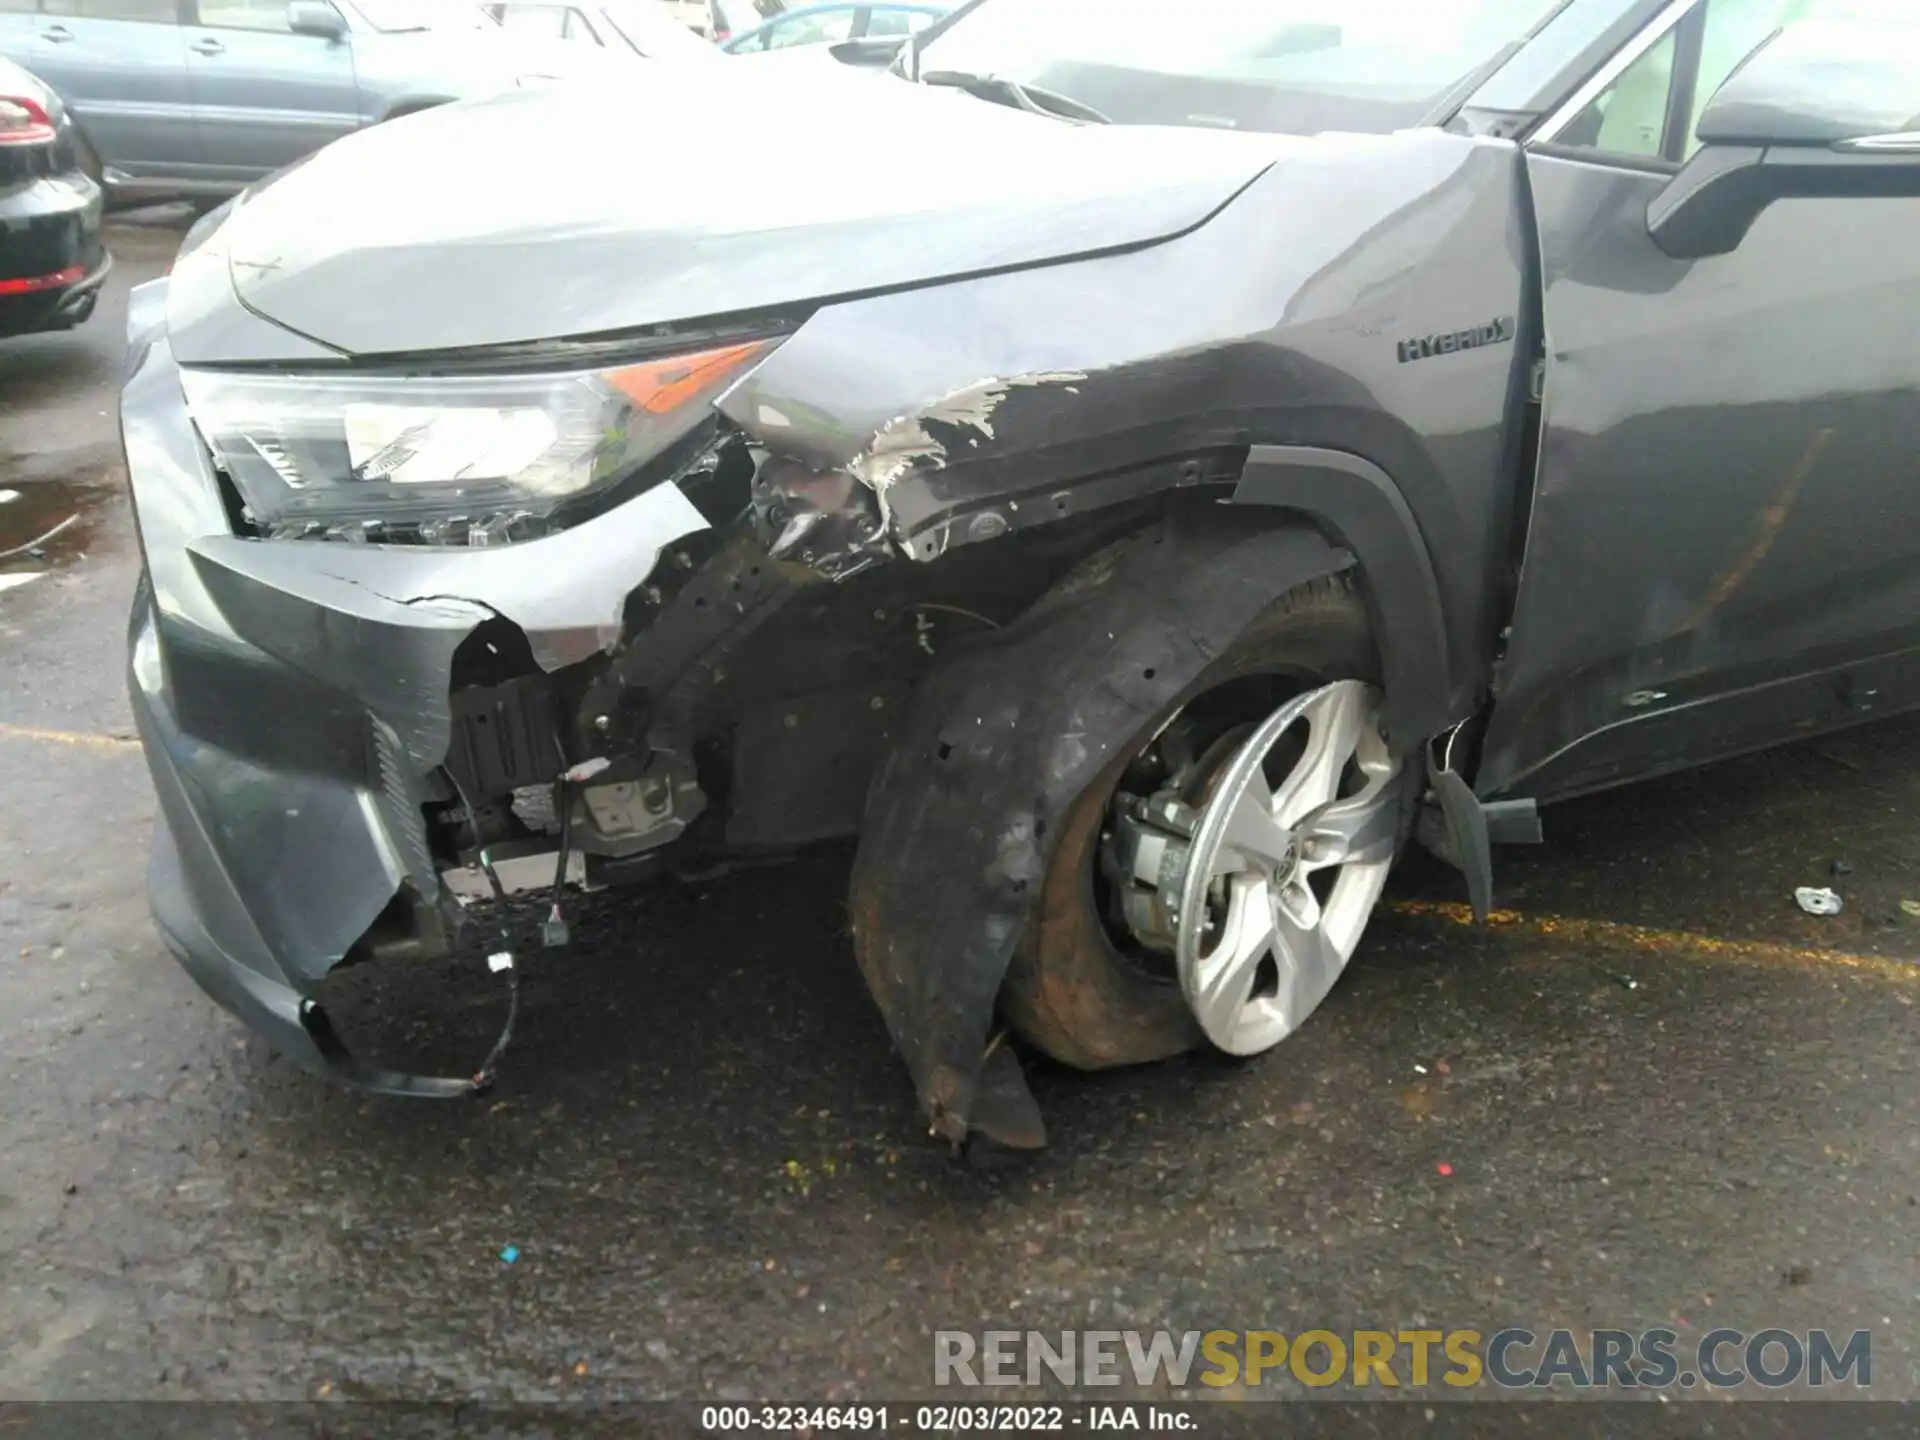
x=1072 y=990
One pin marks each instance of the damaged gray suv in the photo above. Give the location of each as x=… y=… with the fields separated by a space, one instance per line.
x=1195 y=450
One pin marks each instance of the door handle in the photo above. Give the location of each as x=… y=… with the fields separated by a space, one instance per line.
x=209 y=46
x=57 y=34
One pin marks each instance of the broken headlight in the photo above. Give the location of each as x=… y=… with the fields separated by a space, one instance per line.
x=445 y=460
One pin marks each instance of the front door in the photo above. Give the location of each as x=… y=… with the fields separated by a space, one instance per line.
x=121 y=68
x=264 y=96
x=1724 y=547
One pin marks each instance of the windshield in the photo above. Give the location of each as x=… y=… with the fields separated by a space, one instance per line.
x=1296 y=66
x=423 y=15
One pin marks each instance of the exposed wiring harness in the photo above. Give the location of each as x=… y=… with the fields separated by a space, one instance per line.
x=500 y=960
x=554 y=932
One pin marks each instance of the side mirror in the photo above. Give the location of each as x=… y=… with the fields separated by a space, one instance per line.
x=316 y=18
x=875 y=52
x=1822 y=110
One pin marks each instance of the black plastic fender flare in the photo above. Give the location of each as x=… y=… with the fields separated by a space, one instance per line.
x=1358 y=505
x=965 y=811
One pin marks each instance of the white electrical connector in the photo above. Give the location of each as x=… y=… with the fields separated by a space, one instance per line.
x=500 y=960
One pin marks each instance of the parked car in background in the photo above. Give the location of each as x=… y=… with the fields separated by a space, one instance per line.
x=201 y=97
x=645 y=27
x=51 y=258
x=726 y=17
x=745 y=27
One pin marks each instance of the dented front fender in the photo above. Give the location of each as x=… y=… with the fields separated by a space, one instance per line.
x=907 y=424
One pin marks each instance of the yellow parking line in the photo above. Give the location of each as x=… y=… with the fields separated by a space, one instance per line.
x=1615 y=935
x=75 y=738
x=1611 y=934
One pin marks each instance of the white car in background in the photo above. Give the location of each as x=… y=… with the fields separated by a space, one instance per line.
x=651 y=29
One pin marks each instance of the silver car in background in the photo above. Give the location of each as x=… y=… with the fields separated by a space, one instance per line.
x=203 y=97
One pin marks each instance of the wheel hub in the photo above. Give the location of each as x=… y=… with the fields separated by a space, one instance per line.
x=1259 y=890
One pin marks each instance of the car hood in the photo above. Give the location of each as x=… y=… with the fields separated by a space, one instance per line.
x=696 y=192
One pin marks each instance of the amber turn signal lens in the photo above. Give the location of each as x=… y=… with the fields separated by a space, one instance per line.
x=660 y=387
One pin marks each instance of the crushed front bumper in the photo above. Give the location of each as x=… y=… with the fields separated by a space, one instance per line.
x=293 y=702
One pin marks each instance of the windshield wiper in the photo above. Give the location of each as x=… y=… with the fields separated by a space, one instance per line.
x=1035 y=98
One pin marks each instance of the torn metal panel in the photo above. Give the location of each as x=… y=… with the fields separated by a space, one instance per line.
x=905 y=443
x=966 y=810
x=394 y=658
x=284 y=869
x=695 y=621
x=793 y=683
x=294 y=702
x=825 y=519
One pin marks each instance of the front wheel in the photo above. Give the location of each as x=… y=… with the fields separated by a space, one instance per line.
x=1212 y=887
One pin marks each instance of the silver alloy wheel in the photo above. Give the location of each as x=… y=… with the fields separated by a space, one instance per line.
x=1258 y=948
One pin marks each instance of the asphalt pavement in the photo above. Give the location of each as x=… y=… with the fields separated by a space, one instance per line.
x=1654 y=1093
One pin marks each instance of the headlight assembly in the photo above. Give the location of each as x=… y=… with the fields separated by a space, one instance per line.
x=445 y=460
